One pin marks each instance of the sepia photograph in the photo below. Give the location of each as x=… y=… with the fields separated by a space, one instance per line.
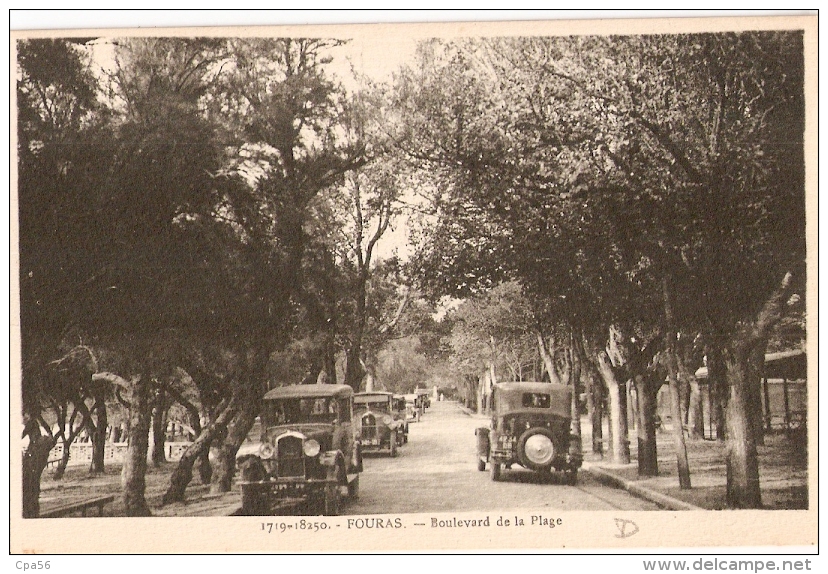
x=411 y=287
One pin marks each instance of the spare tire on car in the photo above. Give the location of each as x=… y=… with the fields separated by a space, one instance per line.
x=536 y=449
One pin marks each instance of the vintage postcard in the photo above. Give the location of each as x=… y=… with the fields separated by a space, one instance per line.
x=471 y=286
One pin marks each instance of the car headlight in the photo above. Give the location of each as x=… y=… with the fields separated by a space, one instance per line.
x=266 y=450
x=387 y=419
x=311 y=447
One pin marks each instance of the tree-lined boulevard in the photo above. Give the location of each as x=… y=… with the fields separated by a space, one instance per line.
x=202 y=219
x=436 y=472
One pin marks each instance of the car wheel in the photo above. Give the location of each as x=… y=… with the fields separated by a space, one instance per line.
x=393 y=443
x=496 y=471
x=254 y=501
x=536 y=449
x=332 y=497
x=481 y=464
x=254 y=497
x=353 y=488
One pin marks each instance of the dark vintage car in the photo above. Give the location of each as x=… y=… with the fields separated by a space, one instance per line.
x=530 y=427
x=306 y=450
x=378 y=429
x=400 y=414
x=425 y=398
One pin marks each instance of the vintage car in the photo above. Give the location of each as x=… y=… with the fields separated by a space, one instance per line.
x=378 y=429
x=412 y=407
x=425 y=398
x=530 y=427
x=307 y=450
x=399 y=413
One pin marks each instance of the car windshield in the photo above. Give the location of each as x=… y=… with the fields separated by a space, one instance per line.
x=374 y=404
x=305 y=410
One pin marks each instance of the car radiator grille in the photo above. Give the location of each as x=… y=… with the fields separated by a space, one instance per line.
x=290 y=458
x=369 y=427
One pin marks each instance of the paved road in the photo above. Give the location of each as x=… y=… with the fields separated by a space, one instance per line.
x=436 y=472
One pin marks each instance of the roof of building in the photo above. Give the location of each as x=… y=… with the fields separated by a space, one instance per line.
x=780 y=365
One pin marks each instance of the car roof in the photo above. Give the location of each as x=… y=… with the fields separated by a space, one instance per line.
x=307 y=391
x=559 y=405
x=374 y=393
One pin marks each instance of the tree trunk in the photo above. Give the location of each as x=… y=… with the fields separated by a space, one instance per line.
x=684 y=393
x=312 y=376
x=135 y=461
x=548 y=359
x=198 y=450
x=646 y=392
x=205 y=471
x=740 y=358
x=99 y=437
x=756 y=367
x=618 y=419
x=675 y=395
x=630 y=408
x=225 y=461
x=159 y=430
x=60 y=470
x=741 y=457
x=68 y=439
x=481 y=383
x=330 y=359
x=695 y=421
x=353 y=367
x=717 y=379
x=354 y=372
x=622 y=402
x=34 y=461
x=596 y=393
x=576 y=444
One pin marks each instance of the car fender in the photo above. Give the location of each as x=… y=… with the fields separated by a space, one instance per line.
x=248 y=449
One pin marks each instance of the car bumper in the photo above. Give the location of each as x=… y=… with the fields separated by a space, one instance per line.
x=568 y=462
x=375 y=445
x=287 y=487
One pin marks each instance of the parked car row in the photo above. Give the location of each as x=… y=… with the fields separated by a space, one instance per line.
x=380 y=426
x=308 y=446
x=416 y=403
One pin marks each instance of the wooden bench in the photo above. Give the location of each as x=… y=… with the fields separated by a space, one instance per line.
x=82 y=507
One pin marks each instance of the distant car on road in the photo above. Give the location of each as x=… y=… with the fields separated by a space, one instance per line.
x=399 y=412
x=379 y=430
x=307 y=450
x=425 y=398
x=530 y=427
